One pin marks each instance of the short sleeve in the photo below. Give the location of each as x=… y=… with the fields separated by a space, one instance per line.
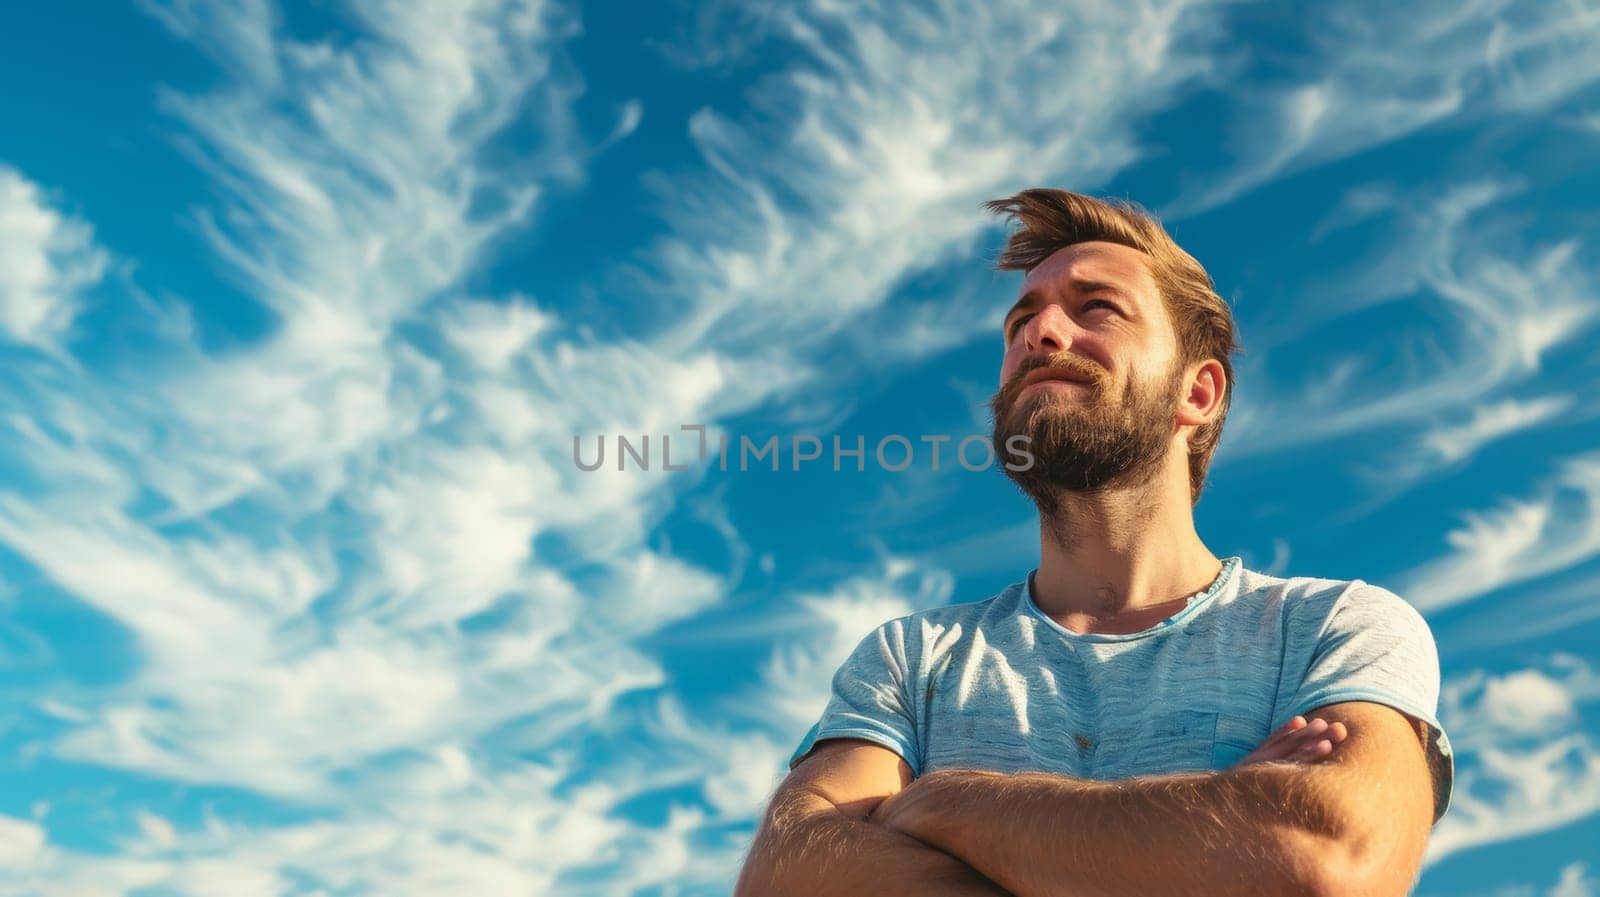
x=870 y=698
x=1376 y=647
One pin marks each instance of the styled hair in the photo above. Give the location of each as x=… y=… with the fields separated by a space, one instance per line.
x=1202 y=321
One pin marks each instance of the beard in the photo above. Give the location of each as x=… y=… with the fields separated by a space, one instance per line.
x=1083 y=438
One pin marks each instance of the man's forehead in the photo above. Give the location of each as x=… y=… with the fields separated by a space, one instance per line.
x=1096 y=261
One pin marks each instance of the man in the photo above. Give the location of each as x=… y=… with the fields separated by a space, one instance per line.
x=1137 y=716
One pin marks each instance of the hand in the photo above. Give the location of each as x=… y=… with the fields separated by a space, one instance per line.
x=1299 y=741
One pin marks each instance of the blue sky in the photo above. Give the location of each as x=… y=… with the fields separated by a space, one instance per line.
x=301 y=307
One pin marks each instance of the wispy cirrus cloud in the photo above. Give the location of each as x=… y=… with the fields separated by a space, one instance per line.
x=1539 y=609
x=346 y=516
x=1523 y=539
x=1450 y=443
x=332 y=501
x=1510 y=311
x=1374 y=74
x=469 y=827
x=873 y=152
x=796 y=680
x=365 y=580
x=47 y=260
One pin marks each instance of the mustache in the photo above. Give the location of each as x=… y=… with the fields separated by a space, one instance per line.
x=1002 y=403
x=1064 y=362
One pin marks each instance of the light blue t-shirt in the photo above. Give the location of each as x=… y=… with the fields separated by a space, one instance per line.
x=998 y=685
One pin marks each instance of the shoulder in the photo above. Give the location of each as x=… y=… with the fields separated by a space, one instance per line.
x=1361 y=604
x=950 y=623
x=1315 y=602
x=1321 y=613
x=1292 y=591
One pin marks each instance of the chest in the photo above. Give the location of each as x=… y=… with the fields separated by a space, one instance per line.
x=1096 y=710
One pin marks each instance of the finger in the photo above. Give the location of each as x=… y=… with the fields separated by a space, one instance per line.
x=1321 y=748
x=1320 y=728
x=1291 y=742
x=1287 y=749
x=1284 y=731
x=1306 y=742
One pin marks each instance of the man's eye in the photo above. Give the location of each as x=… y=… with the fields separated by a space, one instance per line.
x=1020 y=321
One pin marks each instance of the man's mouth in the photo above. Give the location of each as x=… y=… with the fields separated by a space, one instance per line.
x=1049 y=381
x=1051 y=375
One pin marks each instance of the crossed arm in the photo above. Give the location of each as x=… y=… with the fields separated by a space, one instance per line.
x=817 y=840
x=1352 y=820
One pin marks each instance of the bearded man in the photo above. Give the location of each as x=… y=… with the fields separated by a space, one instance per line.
x=1136 y=716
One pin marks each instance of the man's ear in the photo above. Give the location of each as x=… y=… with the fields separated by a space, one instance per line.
x=1205 y=385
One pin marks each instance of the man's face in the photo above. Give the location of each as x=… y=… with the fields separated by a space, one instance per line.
x=1091 y=320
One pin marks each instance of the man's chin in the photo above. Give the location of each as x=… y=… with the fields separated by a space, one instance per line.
x=1029 y=415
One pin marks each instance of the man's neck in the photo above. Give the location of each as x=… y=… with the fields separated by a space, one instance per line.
x=1120 y=561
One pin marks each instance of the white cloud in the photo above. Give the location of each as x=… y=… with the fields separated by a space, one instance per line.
x=1511 y=310
x=736 y=748
x=340 y=602
x=493 y=334
x=508 y=832
x=455 y=528
x=353 y=197
x=238 y=35
x=1525 y=762
x=334 y=500
x=796 y=679
x=1575 y=882
x=1529 y=613
x=1375 y=72
x=1359 y=203
x=337 y=501
x=138 y=578
x=1523 y=539
x=648 y=590
x=157 y=830
x=867 y=162
x=628 y=118
x=21 y=841
x=47 y=260
x=1526 y=701
x=1453 y=442
x=1279 y=565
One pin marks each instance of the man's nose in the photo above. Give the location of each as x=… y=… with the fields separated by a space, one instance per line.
x=1048 y=331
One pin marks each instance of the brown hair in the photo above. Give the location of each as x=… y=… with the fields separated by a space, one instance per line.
x=1203 y=322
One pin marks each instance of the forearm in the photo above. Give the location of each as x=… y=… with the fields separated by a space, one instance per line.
x=1248 y=831
x=820 y=854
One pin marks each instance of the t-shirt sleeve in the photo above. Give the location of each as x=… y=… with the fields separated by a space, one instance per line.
x=870 y=698
x=1376 y=647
